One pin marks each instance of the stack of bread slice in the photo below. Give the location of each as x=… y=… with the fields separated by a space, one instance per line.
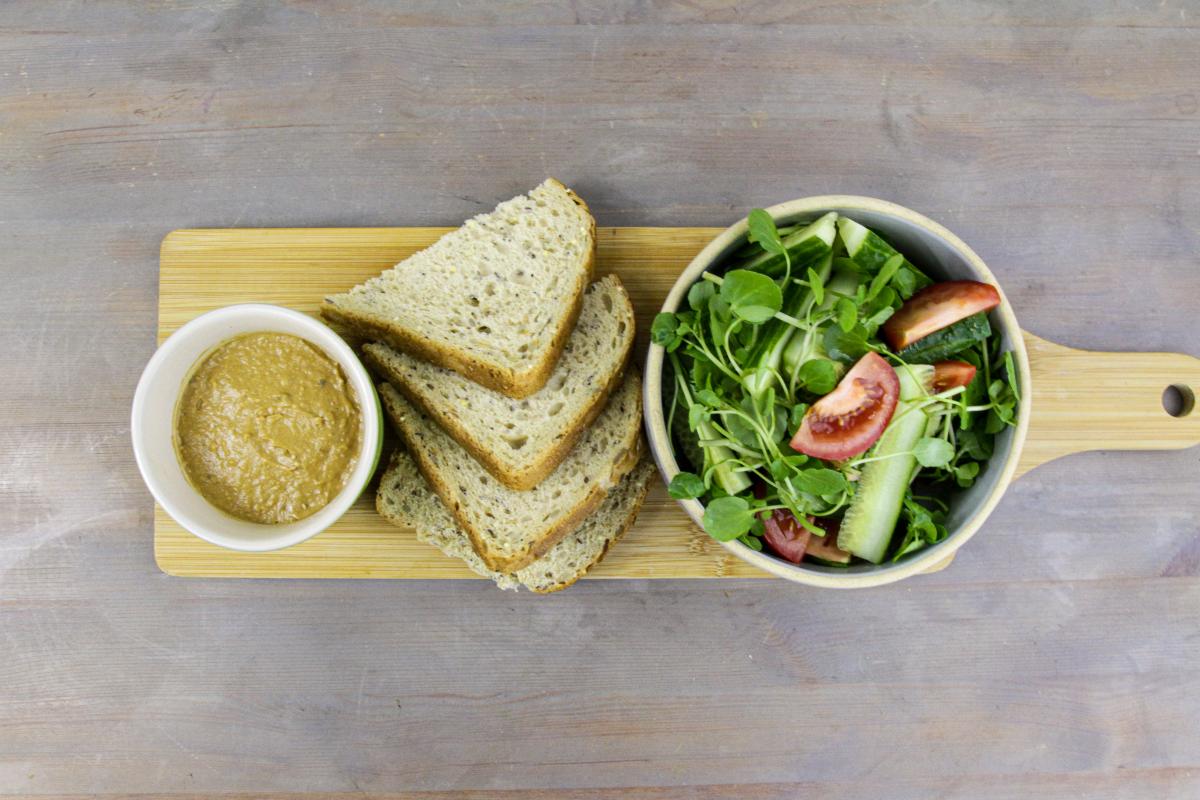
x=504 y=374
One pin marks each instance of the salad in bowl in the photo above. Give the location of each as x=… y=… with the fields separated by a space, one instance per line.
x=826 y=398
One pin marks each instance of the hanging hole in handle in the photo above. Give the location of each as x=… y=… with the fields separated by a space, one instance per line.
x=1178 y=400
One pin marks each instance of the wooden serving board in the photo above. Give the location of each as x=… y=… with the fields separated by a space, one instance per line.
x=1082 y=401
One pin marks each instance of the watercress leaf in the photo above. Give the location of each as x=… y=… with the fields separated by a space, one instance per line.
x=972 y=396
x=905 y=282
x=885 y=275
x=662 y=330
x=727 y=518
x=1010 y=370
x=697 y=414
x=966 y=472
x=821 y=481
x=886 y=298
x=685 y=486
x=995 y=423
x=975 y=444
x=709 y=398
x=779 y=469
x=819 y=375
x=878 y=318
x=702 y=372
x=996 y=389
x=797 y=415
x=933 y=452
x=779 y=430
x=817 y=285
x=700 y=293
x=755 y=315
x=847 y=314
x=742 y=430
x=936 y=534
x=717 y=325
x=912 y=543
x=753 y=542
x=763 y=231
x=845 y=346
x=796 y=460
x=751 y=296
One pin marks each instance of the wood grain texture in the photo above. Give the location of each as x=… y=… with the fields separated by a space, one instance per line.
x=1083 y=401
x=1057 y=658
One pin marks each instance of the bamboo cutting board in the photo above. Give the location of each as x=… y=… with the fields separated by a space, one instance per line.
x=1082 y=400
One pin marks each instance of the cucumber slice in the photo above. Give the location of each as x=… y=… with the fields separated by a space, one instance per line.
x=868 y=250
x=871 y=518
x=722 y=457
x=763 y=363
x=803 y=247
x=865 y=247
x=952 y=339
x=916 y=382
x=806 y=348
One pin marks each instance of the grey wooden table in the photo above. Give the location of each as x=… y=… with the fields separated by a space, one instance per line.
x=1058 y=657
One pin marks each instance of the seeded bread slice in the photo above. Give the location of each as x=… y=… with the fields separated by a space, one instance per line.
x=520 y=442
x=510 y=528
x=494 y=300
x=405 y=499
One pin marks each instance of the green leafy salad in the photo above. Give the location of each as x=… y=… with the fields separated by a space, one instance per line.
x=826 y=398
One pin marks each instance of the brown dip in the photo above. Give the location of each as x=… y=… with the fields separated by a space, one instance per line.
x=268 y=428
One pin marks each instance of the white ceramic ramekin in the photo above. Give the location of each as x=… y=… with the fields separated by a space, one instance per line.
x=154 y=417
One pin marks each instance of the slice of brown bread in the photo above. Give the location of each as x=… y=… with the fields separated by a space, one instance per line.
x=405 y=499
x=494 y=300
x=511 y=528
x=520 y=442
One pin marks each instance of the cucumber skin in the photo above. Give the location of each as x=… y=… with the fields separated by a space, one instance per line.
x=870 y=521
x=950 y=340
x=873 y=252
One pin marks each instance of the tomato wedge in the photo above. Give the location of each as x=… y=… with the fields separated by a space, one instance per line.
x=825 y=547
x=785 y=536
x=952 y=374
x=936 y=307
x=852 y=417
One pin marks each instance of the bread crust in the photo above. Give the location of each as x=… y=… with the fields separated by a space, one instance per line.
x=624 y=527
x=624 y=463
x=533 y=474
x=513 y=383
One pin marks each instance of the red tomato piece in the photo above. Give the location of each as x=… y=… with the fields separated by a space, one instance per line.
x=952 y=374
x=936 y=307
x=852 y=417
x=785 y=536
x=825 y=547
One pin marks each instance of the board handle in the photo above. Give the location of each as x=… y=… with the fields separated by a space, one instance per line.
x=1090 y=400
x=1087 y=400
